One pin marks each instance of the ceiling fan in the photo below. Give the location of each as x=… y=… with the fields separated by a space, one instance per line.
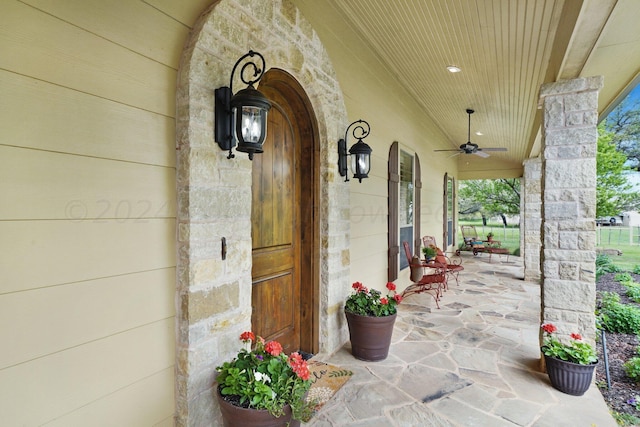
x=471 y=148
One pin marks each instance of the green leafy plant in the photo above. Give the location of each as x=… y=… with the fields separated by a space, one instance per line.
x=604 y=265
x=633 y=291
x=623 y=277
x=266 y=378
x=632 y=369
x=370 y=302
x=429 y=252
x=490 y=235
x=633 y=288
x=636 y=269
x=625 y=419
x=576 y=351
x=617 y=317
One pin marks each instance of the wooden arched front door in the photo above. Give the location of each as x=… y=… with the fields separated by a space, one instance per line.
x=283 y=231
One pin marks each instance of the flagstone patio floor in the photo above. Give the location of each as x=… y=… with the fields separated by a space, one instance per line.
x=474 y=362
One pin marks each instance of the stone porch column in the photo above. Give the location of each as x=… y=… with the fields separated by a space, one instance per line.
x=569 y=204
x=531 y=218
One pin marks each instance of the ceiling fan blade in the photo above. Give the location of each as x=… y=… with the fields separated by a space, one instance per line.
x=455 y=154
x=493 y=149
x=480 y=153
x=453 y=149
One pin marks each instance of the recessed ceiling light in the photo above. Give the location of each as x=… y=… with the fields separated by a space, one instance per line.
x=453 y=69
x=479 y=133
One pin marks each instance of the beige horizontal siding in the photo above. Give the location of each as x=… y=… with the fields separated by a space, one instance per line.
x=131 y=411
x=38 y=254
x=60 y=186
x=38 y=45
x=87 y=214
x=134 y=25
x=66 y=316
x=44 y=389
x=47 y=116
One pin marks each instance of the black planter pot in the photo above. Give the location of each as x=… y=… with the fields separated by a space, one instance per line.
x=370 y=336
x=567 y=377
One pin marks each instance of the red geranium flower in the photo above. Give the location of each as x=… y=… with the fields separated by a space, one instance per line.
x=265 y=377
x=299 y=366
x=274 y=348
x=371 y=302
x=247 y=336
x=549 y=328
x=575 y=351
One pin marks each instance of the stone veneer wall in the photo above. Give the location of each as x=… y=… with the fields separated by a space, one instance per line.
x=531 y=202
x=569 y=203
x=213 y=296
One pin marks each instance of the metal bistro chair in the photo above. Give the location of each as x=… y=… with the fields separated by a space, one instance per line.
x=433 y=283
x=453 y=267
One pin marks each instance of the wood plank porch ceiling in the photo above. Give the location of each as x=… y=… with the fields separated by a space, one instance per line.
x=506 y=50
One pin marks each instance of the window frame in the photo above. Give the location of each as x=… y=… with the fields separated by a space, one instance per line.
x=394 y=265
x=449 y=211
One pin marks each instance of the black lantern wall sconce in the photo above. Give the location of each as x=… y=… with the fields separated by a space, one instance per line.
x=242 y=118
x=360 y=152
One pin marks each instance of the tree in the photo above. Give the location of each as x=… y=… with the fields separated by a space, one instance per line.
x=613 y=192
x=624 y=124
x=490 y=197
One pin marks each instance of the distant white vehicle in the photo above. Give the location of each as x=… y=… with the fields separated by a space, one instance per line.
x=611 y=220
x=627 y=219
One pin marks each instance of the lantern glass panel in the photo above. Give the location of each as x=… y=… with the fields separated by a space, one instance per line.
x=360 y=164
x=251 y=125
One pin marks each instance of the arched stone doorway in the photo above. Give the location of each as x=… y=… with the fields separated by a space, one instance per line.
x=213 y=295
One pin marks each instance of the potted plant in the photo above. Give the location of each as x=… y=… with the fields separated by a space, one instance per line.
x=429 y=252
x=490 y=237
x=370 y=317
x=263 y=386
x=569 y=366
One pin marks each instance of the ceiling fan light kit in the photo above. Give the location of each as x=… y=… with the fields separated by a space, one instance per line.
x=471 y=148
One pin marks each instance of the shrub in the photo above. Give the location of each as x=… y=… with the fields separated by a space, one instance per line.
x=623 y=278
x=633 y=288
x=636 y=269
x=618 y=318
x=632 y=369
x=633 y=291
x=604 y=265
x=609 y=298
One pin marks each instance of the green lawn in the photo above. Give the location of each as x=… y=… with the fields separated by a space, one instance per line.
x=618 y=238
x=607 y=238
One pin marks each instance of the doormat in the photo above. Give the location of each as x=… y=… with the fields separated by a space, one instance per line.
x=326 y=381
